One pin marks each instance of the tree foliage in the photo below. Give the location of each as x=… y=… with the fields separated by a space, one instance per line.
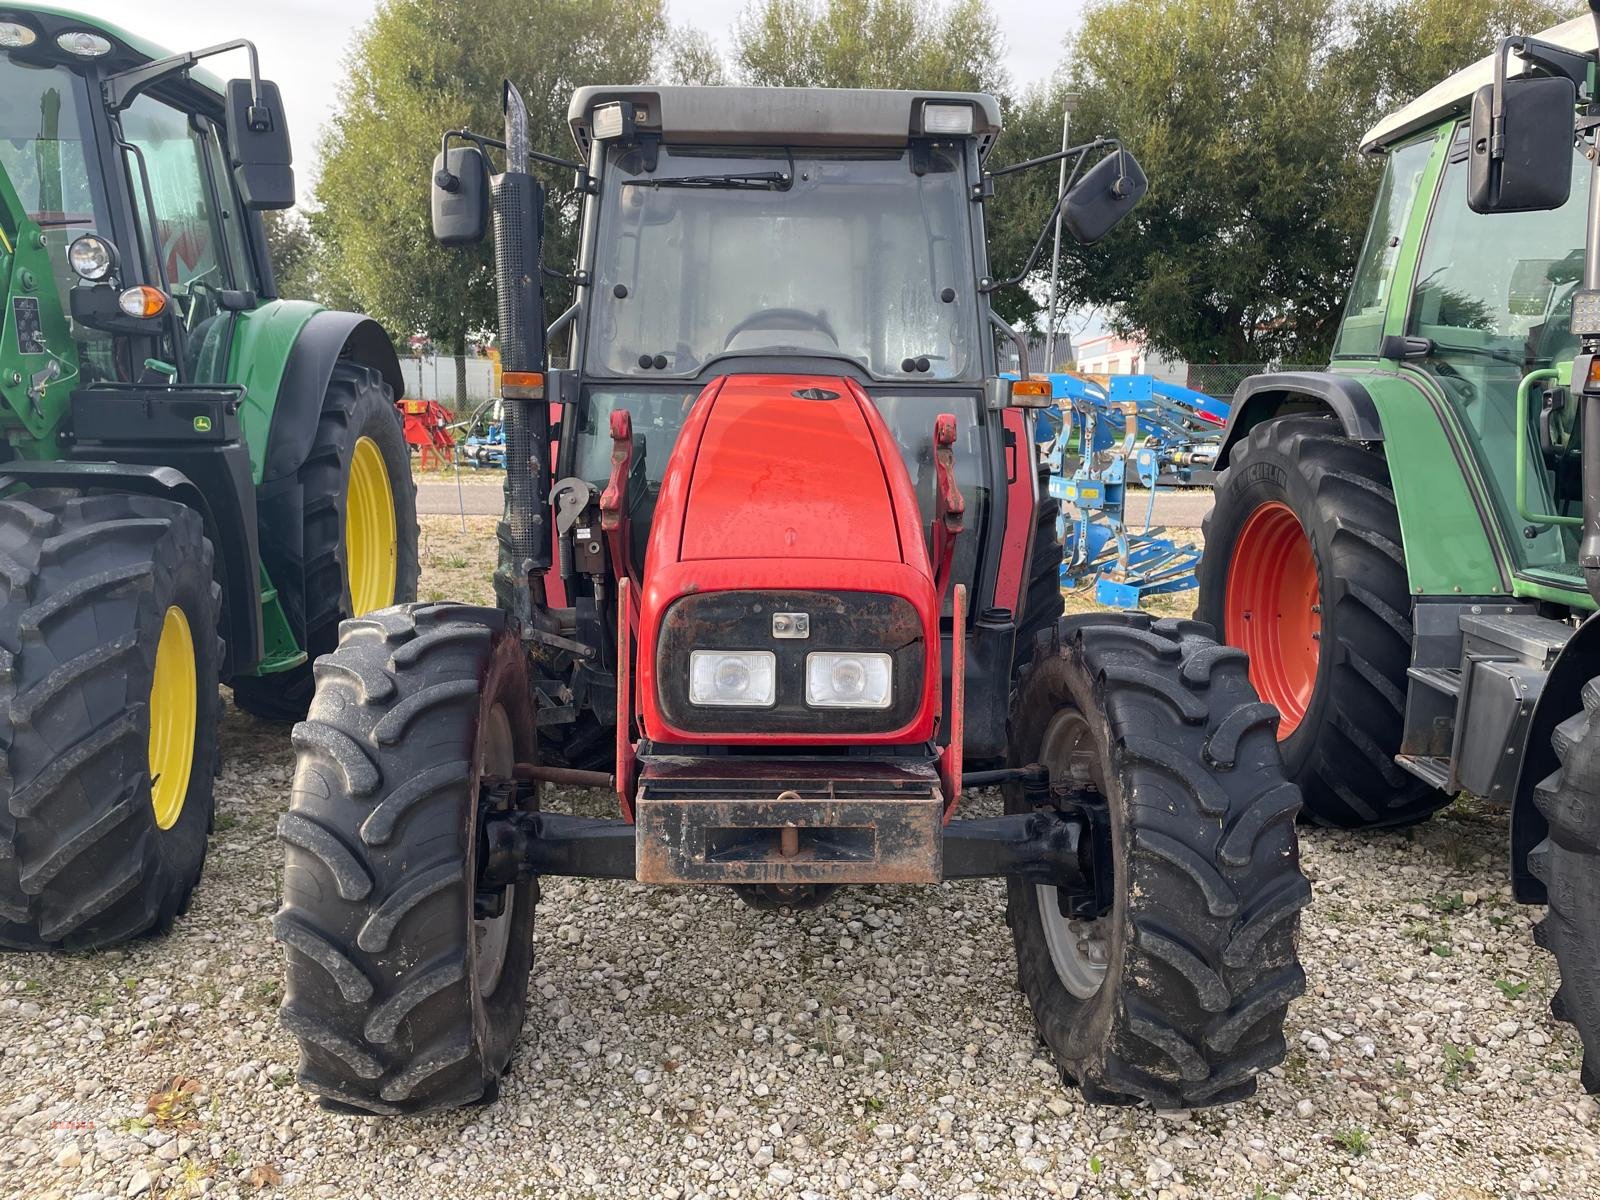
x=421 y=67
x=1246 y=115
x=869 y=44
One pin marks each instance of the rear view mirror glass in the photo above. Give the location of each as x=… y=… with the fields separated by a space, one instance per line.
x=460 y=196
x=258 y=145
x=1108 y=191
x=1528 y=168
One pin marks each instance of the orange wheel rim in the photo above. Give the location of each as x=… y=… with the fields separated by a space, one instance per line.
x=1274 y=610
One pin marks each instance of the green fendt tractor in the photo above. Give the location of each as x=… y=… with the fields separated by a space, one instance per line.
x=1408 y=544
x=200 y=480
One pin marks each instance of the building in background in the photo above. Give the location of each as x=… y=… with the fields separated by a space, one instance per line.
x=1109 y=354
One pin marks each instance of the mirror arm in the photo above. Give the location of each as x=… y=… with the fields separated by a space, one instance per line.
x=483 y=143
x=1044 y=233
x=1017 y=340
x=123 y=88
x=1079 y=150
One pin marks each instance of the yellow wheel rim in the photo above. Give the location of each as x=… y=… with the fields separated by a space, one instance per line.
x=371 y=548
x=174 y=708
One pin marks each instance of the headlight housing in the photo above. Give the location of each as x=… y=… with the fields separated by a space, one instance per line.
x=743 y=678
x=852 y=680
x=92 y=258
x=860 y=668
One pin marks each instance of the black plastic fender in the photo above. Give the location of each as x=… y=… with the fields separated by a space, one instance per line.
x=1262 y=397
x=326 y=338
x=1578 y=663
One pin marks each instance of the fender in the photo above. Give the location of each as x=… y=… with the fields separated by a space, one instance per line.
x=325 y=338
x=1578 y=663
x=222 y=496
x=1262 y=397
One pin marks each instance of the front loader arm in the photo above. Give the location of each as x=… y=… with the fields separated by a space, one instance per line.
x=38 y=359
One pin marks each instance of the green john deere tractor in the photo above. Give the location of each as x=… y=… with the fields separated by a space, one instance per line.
x=1408 y=544
x=198 y=480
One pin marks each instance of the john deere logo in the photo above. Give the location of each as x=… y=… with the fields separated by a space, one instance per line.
x=202 y=424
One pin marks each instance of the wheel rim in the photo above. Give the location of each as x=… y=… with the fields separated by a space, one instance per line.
x=1273 y=610
x=1079 y=949
x=371 y=547
x=492 y=935
x=174 y=709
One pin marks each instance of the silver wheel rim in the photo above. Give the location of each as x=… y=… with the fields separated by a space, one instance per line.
x=491 y=936
x=1079 y=950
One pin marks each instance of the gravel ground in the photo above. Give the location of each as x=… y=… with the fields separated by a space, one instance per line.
x=681 y=1045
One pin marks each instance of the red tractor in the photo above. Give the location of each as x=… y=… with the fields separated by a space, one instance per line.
x=775 y=560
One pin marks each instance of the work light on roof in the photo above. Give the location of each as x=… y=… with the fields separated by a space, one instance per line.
x=84 y=44
x=947 y=118
x=609 y=121
x=14 y=35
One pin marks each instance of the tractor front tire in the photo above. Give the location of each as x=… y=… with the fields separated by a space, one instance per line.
x=356 y=549
x=109 y=669
x=1303 y=567
x=1568 y=861
x=1176 y=995
x=403 y=997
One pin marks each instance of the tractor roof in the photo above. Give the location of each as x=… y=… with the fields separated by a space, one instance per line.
x=1452 y=97
x=761 y=116
x=130 y=49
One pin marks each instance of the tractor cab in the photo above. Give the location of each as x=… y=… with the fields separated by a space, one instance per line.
x=870 y=260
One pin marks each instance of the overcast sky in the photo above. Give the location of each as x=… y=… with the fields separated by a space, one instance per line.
x=303 y=42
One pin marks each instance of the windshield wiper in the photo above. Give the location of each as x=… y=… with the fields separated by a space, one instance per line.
x=749 y=181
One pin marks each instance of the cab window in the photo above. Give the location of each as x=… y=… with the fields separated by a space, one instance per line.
x=1362 y=331
x=181 y=223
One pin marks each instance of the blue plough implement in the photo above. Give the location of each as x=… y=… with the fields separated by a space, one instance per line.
x=1098 y=441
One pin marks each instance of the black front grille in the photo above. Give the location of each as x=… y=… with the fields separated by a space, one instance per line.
x=840 y=621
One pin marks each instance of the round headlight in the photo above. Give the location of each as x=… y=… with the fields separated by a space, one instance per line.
x=92 y=257
x=84 y=44
x=14 y=35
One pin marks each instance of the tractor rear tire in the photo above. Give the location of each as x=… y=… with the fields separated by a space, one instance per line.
x=1042 y=603
x=93 y=850
x=1568 y=861
x=1176 y=995
x=358 y=417
x=1338 y=741
x=402 y=998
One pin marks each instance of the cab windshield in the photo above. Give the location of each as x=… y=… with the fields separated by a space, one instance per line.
x=861 y=255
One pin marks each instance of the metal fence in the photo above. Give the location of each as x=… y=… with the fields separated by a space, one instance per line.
x=1223 y=379
x=434 y=378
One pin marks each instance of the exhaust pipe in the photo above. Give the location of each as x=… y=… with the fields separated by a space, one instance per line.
x=518 y=213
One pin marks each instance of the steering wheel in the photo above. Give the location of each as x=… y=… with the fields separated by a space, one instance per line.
x=783 y=318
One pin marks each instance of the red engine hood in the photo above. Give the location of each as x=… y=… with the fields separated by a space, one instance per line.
x=792 y=467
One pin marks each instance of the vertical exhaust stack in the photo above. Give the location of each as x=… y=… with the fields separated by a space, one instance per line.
x=518 y=213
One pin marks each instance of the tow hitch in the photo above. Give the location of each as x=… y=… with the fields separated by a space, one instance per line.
x=793 y=837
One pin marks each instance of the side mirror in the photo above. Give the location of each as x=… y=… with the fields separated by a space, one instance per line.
x=1108 y=191
x=1522 y=162
x=460 y=196
x=258 y=144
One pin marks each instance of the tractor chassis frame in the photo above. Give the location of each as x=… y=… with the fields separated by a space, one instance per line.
x=786 y=839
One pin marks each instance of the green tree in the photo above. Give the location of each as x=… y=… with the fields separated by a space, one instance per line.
x=421 y=67
x=1246 y=115
x=869 y=44
x=692 y=58
x=292 y=248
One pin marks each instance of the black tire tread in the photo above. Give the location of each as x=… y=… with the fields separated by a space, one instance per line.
x=357 y=400
x=1568 y=862
x=1209 y=965
x=1342 y=494
x=379 y=998
x=82 y=862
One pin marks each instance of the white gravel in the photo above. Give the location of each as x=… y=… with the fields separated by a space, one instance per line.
x=681 y=1045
